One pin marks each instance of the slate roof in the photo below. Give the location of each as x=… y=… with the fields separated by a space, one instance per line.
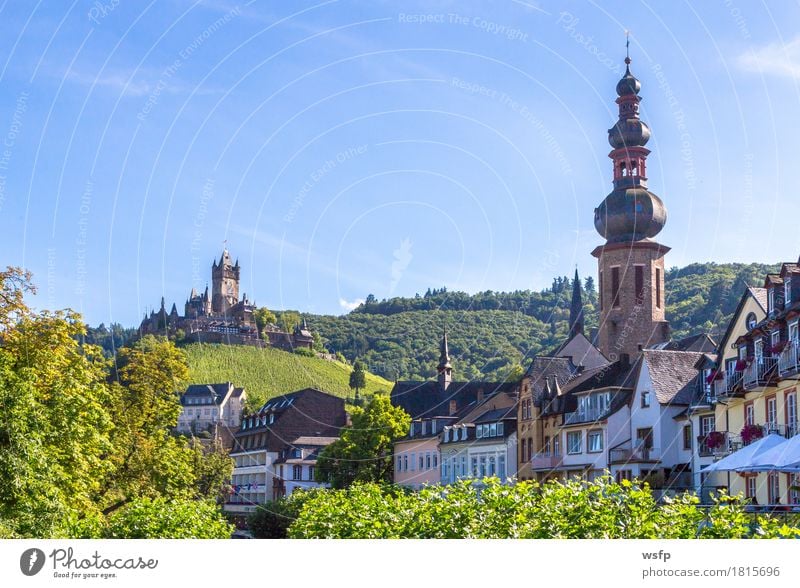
x=581 y=351
x=217 y=391
x=498 y=414
x=760 y=294
x=428 y=399
x=673 y=374
x=698 y=342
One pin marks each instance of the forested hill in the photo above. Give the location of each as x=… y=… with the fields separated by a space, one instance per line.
x=490 y=333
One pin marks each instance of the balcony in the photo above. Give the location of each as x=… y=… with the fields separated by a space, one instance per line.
x=759 y=372
x=637 y=455
x=546 y=461
x=730 y=385
x=788 y=364
x=584 y=416
x=718 y=444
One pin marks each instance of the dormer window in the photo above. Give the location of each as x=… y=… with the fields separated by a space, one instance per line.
x=771 y=300
x=787 y=290
x=751 y=320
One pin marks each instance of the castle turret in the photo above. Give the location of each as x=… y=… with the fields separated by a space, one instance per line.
x=631 y=263
x=225 y=284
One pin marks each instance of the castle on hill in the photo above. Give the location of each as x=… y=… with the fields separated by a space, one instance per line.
x=221 y=317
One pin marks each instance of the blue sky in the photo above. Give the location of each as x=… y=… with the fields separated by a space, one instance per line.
x=352 y=147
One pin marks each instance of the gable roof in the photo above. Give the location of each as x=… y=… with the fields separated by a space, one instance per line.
x=673 y=374
x=698 y=342
x=581 y=351
x=218 y=392
x=760 y=297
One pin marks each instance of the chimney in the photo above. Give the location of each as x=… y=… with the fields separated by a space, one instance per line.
x=452 y=407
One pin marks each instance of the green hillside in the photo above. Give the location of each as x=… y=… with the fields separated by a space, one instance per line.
x=491 y=333
x=265 y=373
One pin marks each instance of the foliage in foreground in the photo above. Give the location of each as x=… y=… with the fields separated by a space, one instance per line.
x=575 y=509
x=273 y=519
x=86 y=443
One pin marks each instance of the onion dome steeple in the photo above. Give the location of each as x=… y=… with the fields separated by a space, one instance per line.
x=630 y=212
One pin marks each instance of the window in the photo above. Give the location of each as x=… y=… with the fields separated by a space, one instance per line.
x=624 y=475
x=524 y=446
x=750 y=487
x=530 y=447
x=645 y=399
x=547 y=445
x=493 y=430
x=791 y=414
x=421 y=462
x=499 y=429
x=772 y=413
x=771 y=300
x=794 y=488
x=435 y=460
x=482 y=468
x=639 y=284
x=774 y=487
x=501 y=467
x=424 y=428
x=556 y=445
x=645 y=437
x=600 y=287
x=615 y=287
x=399 y=463
x=658 y=287
x=474 y=464
x=297 y=472
x=787 y=290
x=464 y=465
x=310 y=473
x=405 y=463
x=492 y=466
x=594 y=442
x=479 y=432
x=749 y=414
x=445 y=473
x=427 y=461
x=413 y=461
x=751 y=321
x=574 y=441
x=687 y=437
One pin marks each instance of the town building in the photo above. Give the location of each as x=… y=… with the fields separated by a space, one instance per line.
x=221 y=316
x=439 y=406
x=755 y=388
x=210 y=407
x=266 y=442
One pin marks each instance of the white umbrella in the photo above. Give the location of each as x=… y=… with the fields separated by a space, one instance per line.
x=783 y=458
x=743 y=459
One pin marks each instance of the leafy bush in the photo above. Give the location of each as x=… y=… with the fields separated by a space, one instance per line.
x=273 y=519
x=575 y=509
x=160 y=518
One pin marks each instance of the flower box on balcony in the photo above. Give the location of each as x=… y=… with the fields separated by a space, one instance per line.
x=741 y=364
x=778 y=347
x=715 y=439
x=751 y=433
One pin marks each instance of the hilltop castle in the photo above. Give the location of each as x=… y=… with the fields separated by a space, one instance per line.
x=221 y=317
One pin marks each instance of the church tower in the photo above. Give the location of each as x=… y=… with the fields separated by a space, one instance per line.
x=444 y=369
x=631 y=262
x=224 y=283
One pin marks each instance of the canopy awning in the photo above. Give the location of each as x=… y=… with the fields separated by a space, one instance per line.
x=744 y=458
x=782 y=458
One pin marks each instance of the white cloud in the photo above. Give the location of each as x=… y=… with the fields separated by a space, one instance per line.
x=348 y=306
x=779 y=59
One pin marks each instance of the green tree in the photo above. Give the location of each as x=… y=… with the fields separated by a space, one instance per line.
x=288 y=320
x=358 y=378
x=264 y=317
x=213 y=468
x=364 y=451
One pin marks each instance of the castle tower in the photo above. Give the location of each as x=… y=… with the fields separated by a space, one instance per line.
x=444 y=369
x=631 y=262
x=576 y=307
x=224 y=283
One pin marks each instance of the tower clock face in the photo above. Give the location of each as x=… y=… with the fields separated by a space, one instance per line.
x=230 y=289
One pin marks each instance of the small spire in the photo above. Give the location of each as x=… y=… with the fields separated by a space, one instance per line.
x=627 y=47
x=444 y=353
x=576 y=307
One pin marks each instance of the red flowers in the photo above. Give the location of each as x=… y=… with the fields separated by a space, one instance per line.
x=751 y=433
x=715 y=439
